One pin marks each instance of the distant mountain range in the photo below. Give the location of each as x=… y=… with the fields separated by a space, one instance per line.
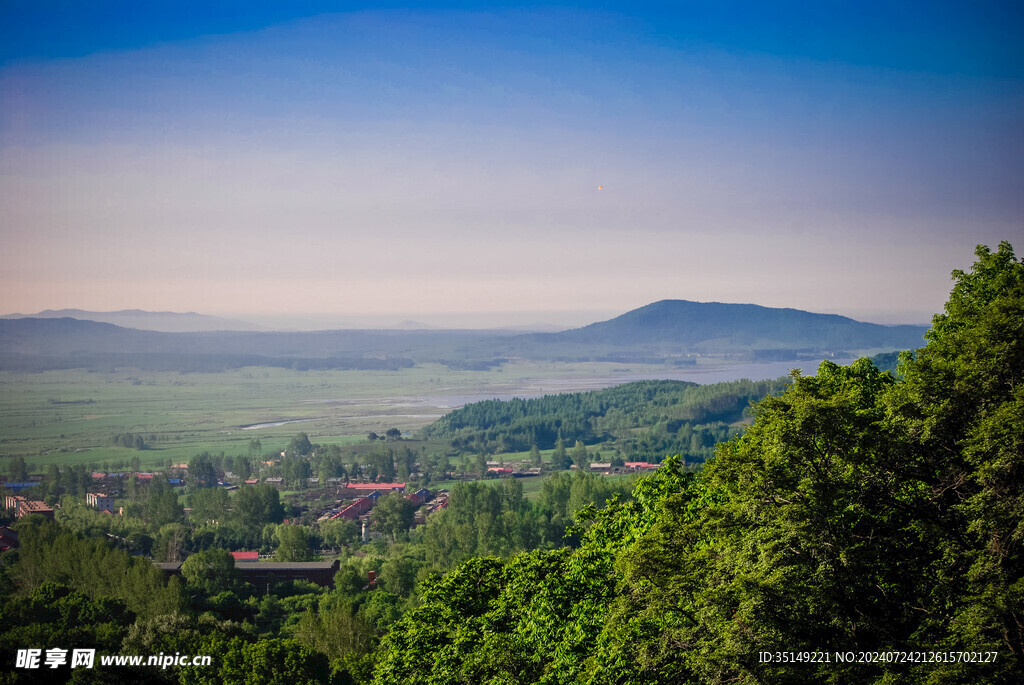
x=671 y=331
x=167 y=322
x=714 y=326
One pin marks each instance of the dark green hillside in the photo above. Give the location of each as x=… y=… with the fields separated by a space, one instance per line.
x=668 y=411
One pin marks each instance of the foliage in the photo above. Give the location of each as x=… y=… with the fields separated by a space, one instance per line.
x=254 y=506
x=50 y=554
x=393 y=514
x=210 y=571
x=131 y=440
x=293 y=543
x=860 y=513
x=679 y=416
x=210 y=505
x=201 y=473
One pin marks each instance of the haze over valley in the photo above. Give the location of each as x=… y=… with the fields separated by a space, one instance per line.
x=419 y=343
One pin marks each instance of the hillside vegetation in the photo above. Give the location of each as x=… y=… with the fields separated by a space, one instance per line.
x=639 y=419
x=866 y=527
x=859 y=515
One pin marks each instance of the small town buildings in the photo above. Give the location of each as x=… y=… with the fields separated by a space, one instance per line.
x=262 y=573
x=641 y=466
x=383 y=487
x=23 y=507
x=100 y=501
x=359 y=507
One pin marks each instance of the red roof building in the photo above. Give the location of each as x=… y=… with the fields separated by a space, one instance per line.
x=383 y=487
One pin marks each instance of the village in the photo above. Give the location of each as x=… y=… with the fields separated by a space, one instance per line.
x=321 y=502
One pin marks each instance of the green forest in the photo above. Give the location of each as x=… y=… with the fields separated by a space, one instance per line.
x=643 y=419
x=866 y=526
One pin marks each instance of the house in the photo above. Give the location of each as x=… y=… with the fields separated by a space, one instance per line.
x=8 y=539
x=419 y=497
x=246 y=556
x=23 y=507
x=359 y=507
x=641 y=465
x=18 y=487
x=100 y=501
x=383 y=487
x=262 y=573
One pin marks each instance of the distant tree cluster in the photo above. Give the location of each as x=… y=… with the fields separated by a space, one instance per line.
x=131 y=440
x=673 y=417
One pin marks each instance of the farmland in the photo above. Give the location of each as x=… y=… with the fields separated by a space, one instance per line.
x=69 y=416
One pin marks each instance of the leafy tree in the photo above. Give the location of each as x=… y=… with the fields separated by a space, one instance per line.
x=17 y=470
x=266 y=662
x=55 y=614
x=398 y=573
x=962 y=406
x=393 y=514
x=48 y=553
x=293 y=543
x=210 y=504
x=170 y=543
x=300 y=445
x=211 y=571
x=339 y=532
x=480 y=464
x=579 y=455
x=335 y=629
x=201 y=473
x=859 y=513
x=162 y=506
x=535 y=457
x=560 y=460
x=254 y=506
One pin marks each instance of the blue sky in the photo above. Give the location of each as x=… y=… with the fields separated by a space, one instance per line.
x=361 y=163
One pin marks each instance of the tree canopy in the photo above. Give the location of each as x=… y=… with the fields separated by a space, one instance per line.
x=861 y=512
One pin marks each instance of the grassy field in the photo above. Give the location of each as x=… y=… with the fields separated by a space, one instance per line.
x=69 y=417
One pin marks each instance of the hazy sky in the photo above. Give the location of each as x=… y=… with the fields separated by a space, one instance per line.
x=428 y=160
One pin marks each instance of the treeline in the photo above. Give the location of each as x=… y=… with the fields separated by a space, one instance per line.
x=74 y=583
x=677 y=417
x=860 y=514
x=187 y=362
x=131 y=440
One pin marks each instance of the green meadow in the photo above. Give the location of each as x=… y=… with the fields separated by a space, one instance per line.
x=71 y=416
